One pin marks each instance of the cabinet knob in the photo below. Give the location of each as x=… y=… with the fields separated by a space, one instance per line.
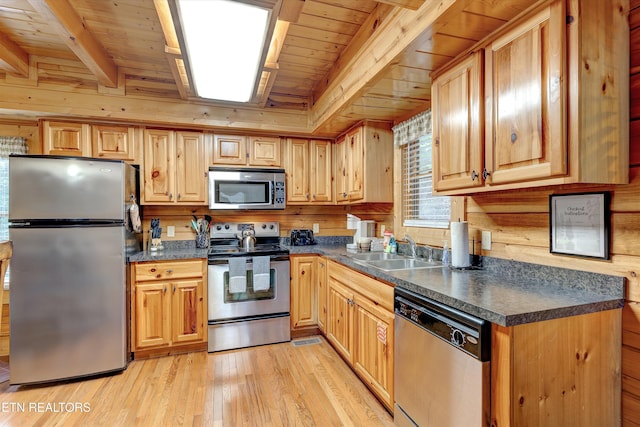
x=474 y=175
x=485 y=173
x=178 y=196
x=165 y=290
x=170 y=196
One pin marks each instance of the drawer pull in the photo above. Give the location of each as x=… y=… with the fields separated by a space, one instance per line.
x=169 y=271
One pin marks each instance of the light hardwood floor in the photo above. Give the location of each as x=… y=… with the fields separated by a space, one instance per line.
x=272 y=385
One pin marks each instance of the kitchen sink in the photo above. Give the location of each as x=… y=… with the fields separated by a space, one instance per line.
x=403 y=264
x=375 y=256
x=391 y=262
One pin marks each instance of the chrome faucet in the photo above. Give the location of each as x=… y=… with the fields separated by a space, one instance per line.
x=412 y=245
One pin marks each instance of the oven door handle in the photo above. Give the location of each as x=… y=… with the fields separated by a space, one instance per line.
x=224 y=261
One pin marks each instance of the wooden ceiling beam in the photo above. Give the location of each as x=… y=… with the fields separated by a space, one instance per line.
x=364 y=67
x=407 y=4
x=172 y=49
x=13 y=59
x=66 y=22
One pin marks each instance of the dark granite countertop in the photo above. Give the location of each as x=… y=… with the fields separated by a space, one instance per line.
x=504 y=292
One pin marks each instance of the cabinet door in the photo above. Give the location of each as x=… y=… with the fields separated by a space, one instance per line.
x=152 y=311
x=265 y=151
x=322 y=293
x=525 y=87
x=304 y=291
x=114 y=142
x=229 y=150
x=297 y=170
x=66 y=139
x=191 y=169
x=159 y=169
x=320 y=180
x=340 y=318
x=355 y=164
x=187 y=311
x=342 y=194
x=457 y=126
x=373 y=348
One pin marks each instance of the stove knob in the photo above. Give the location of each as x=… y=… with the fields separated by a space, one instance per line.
x=271 y=226
x=218 y=227
x=226 y=226
x=264 y=226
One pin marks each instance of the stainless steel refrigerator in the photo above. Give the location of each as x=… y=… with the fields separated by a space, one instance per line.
x=68 y=286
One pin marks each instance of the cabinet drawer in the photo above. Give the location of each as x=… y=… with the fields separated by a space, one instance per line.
x=378 y=292
x=168 y=270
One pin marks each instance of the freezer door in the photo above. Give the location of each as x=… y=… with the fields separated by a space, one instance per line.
x=68 y=303
x=42 y=188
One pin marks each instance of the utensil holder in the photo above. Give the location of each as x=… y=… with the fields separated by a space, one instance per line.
x=202 y=240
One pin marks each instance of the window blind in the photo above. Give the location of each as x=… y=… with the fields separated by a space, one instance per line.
x=420 y=207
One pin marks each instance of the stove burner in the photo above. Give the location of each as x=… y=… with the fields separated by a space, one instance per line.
x=225 y=240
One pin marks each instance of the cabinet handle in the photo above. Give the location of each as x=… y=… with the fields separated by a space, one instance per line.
x=170 y=196
x=302 y=273
x=178 y=196
x=165 y=289
x=169 y=271
x=485 y=173
x=307 y=196
x=174 y=289
x=474 y=175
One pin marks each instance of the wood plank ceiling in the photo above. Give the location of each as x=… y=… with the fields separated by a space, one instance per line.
x=336 y=61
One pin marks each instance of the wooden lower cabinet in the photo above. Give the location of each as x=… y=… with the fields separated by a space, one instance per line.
x=561 y=372
x=168 y=307
x=360 y=323
x=304 y=292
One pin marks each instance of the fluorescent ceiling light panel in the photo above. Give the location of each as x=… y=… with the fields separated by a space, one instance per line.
x=224 y=41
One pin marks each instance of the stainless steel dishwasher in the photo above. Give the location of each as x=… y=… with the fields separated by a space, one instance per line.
x=441 y=364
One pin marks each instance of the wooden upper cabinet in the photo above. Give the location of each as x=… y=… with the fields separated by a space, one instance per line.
x=556 y=107
x=115 y=142
x=191 y=168
x=66 y=139
x=297 y=171
x=229 y=150
x=456 y=97
x=321 y=170
x=364 y=164
x=526 y=100
x=174 y=167
x=265 y=151
x=241 y=150
x=159 y=166
x=308 y=164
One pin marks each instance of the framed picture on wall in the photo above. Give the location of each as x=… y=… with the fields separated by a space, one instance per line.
x=579 y=224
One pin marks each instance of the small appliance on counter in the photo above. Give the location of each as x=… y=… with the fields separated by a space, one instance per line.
x=302 y=238
x=365 y=231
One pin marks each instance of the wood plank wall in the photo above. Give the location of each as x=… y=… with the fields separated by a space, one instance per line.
x=332 y=220
x=519 y=222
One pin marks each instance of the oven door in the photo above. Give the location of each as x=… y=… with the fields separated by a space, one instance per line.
x=224 y=304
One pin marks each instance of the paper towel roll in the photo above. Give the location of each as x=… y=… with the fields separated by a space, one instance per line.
x=460 y=244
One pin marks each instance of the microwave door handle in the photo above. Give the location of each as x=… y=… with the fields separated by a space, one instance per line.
x=272 y=192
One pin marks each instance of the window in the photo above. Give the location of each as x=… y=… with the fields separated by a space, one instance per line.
x=420 y=208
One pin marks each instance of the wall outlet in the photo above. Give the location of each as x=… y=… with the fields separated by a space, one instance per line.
x=171 y=231
x=316 y=228
x=486 y=240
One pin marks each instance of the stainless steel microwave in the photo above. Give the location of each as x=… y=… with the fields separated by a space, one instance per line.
x=246 y=188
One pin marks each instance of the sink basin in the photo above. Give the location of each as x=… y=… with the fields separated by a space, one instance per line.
x=403 y=264
x=374 y=256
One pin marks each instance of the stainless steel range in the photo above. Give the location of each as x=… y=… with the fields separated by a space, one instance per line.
x=248 y=284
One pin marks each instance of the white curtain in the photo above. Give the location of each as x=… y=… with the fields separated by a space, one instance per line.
x=412 y=129
x=12 y=145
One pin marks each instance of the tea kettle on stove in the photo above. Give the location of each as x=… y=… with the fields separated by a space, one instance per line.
x=248 y=239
